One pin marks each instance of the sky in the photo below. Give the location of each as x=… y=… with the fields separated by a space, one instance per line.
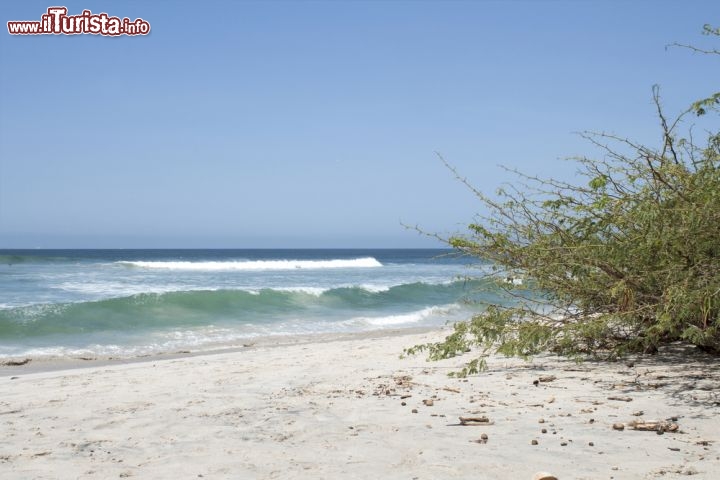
x=318 y=124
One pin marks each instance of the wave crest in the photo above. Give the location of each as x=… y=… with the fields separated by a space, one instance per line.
x=255 y=265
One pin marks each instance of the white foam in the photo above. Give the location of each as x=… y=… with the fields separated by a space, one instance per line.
x=412 y=317
x=314 y=291
x=254 y=265
x=376 y=288
x=118 y=289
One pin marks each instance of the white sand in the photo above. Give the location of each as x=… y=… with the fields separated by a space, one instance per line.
x=333 y=409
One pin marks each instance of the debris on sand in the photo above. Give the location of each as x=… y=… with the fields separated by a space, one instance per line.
x=659 y=427
x=16 y=363
x=621 y=399
x=475 y=421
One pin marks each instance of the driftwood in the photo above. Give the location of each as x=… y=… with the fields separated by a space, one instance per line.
x=10 y=412
x=660 y=427
x=621 y=399
x=16 y=363
x=475 y=421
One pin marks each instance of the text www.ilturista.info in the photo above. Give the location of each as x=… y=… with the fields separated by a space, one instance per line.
x=57 y=22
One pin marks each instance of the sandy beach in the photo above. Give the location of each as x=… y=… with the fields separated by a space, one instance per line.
x=349 y=407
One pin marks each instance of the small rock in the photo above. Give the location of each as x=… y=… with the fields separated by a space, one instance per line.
x=618 y=426
x=544 y=430
x=592 y=444
x=482 y=440
x=414 y=410
x=533 y=442
x=563 y=444
x=429 y=402
x=548 y=378
x=536 y=382
x=639 y=413
x=544 y=476
x=542 y=420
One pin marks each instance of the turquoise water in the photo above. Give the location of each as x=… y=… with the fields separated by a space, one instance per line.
x=136 y=302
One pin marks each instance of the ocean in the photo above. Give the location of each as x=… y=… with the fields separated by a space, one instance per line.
x=127 y=303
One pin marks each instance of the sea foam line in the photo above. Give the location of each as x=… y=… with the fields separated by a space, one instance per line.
x=255 y=265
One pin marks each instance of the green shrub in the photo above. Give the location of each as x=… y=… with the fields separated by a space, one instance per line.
x=624 y=261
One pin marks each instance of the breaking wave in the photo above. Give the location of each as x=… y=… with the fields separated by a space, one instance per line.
x=255 y=265
x=152 y=311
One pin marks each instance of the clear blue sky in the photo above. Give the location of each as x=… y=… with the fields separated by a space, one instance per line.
x=314 y=124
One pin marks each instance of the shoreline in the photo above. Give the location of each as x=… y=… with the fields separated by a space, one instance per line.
x=55 y=364
x=351 y=408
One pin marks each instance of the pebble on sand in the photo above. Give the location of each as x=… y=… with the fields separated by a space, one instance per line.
x=544 y=476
